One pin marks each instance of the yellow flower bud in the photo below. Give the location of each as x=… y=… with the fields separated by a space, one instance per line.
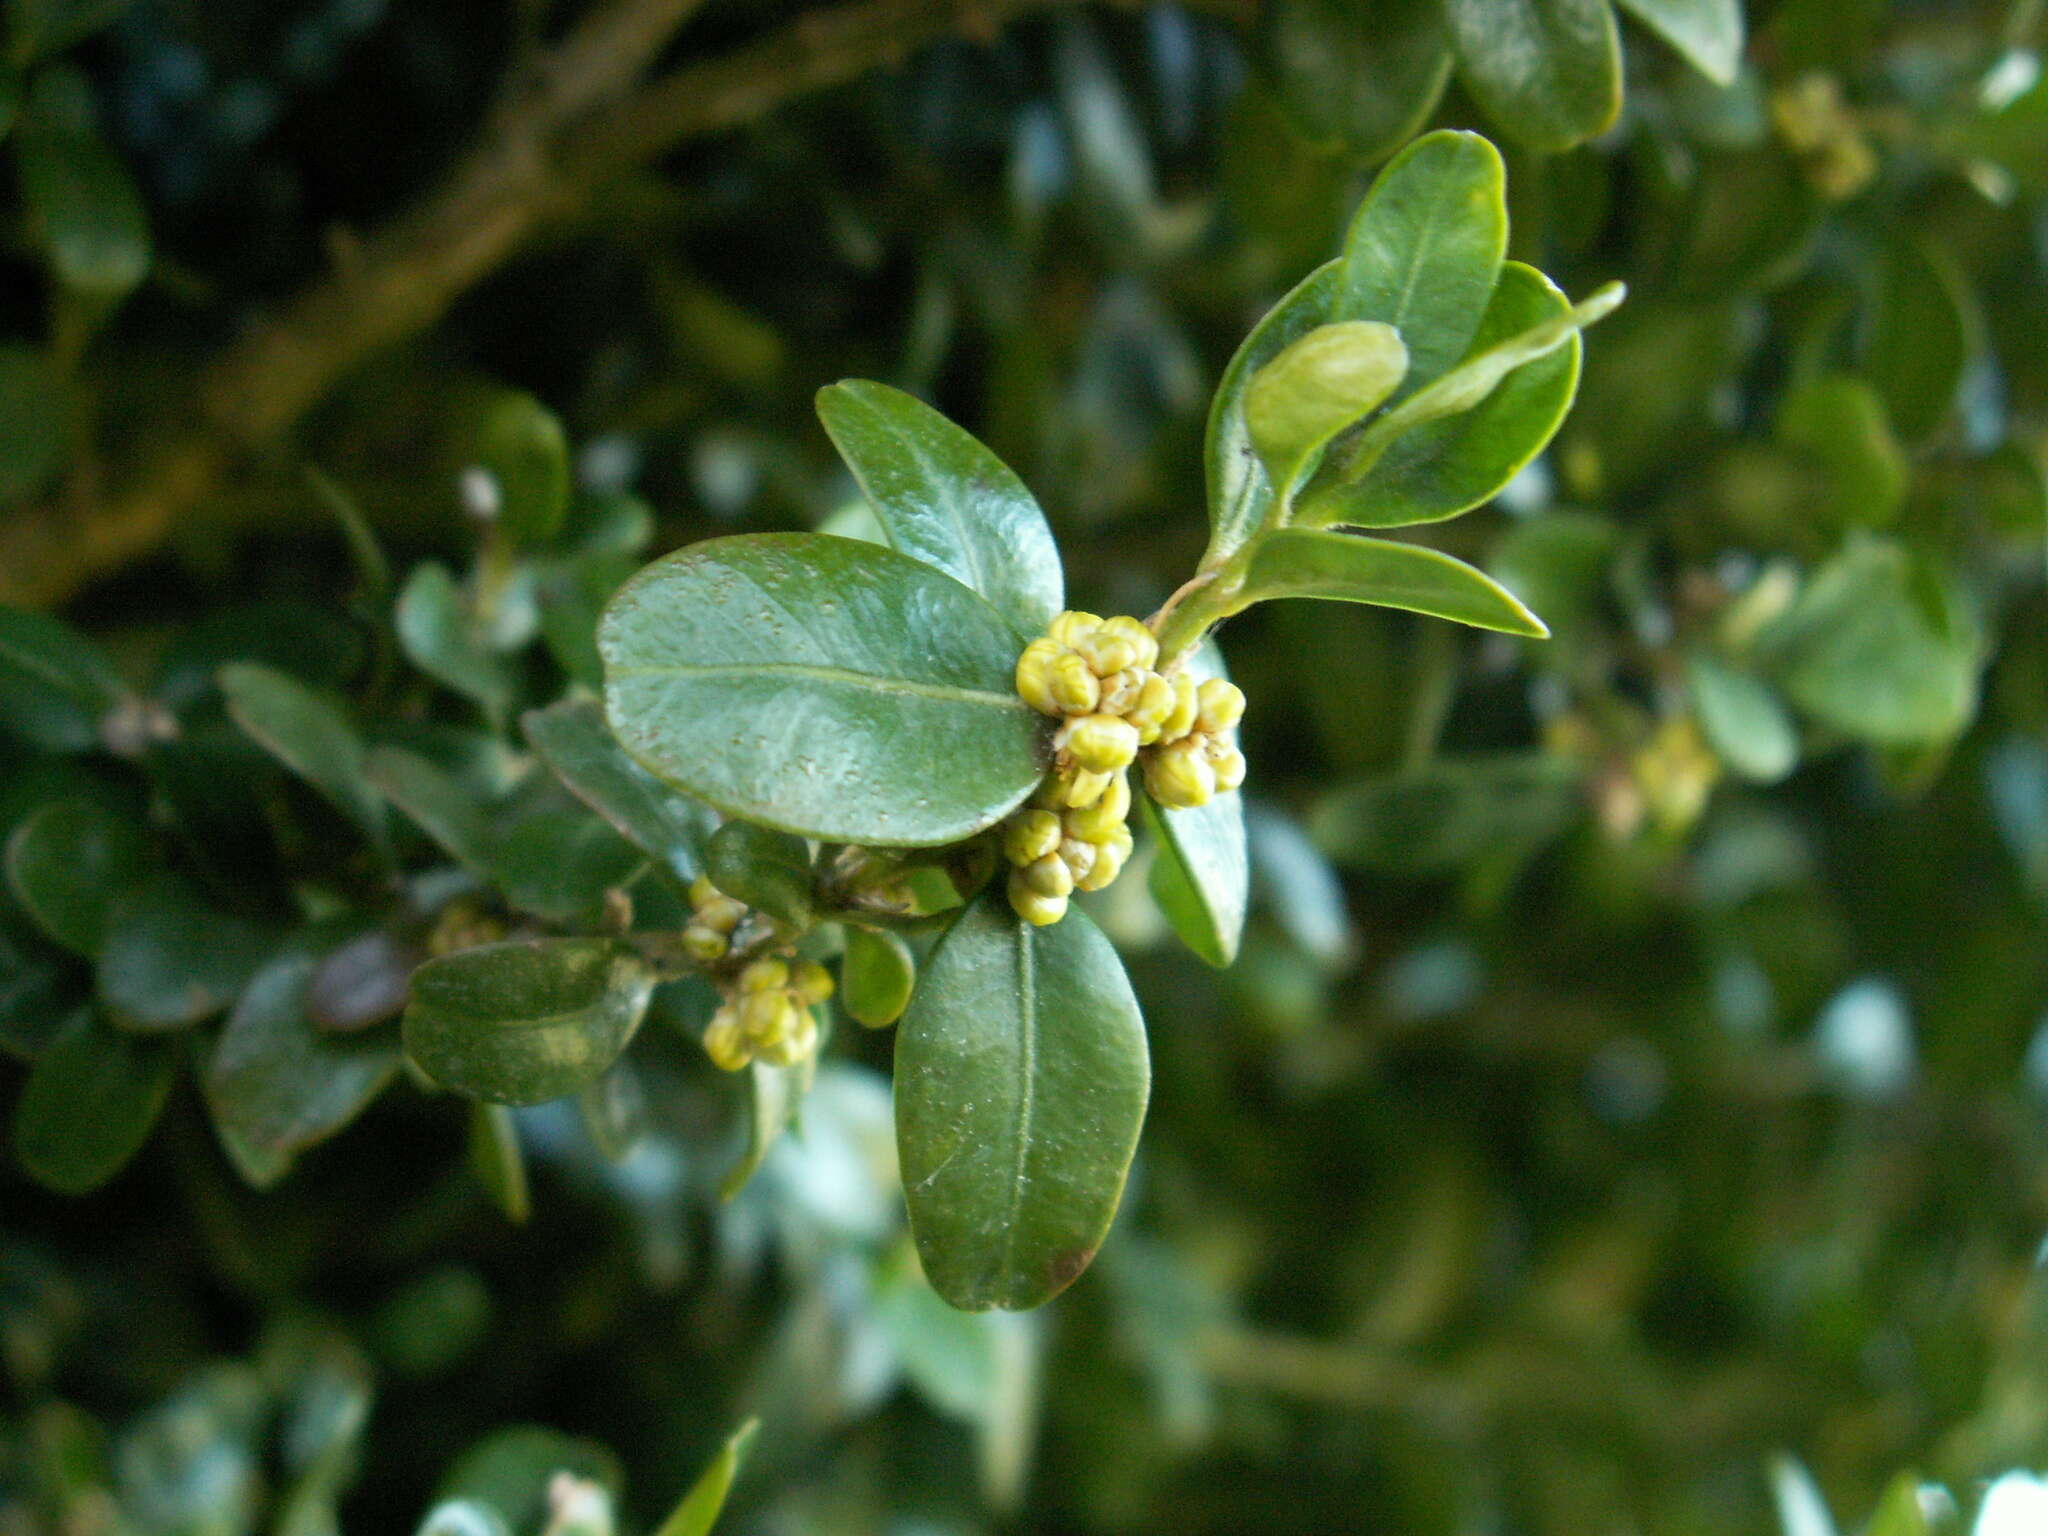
x=1070 y=626
x=1180 y=719
x=766 y=1016
x=1229 y=766
x=1048 y=876
x=1120 y=690
x=1101 y=743
x=1033 y=907
x=1034 y=676
x=1125 y=627
x=1079 y=856
x=725 y=1044
x=1111 y=854
x=764 y=976
x=704 y=945
x=1093 y=823
x=1107 y=652
x=1075 y=688
x=721 y=914
x=1149 y=711
x=793 y=1044
x=811 y=982
x=702 y=890
x=1030 y=835
x=1221 y=706
x=1179 y=775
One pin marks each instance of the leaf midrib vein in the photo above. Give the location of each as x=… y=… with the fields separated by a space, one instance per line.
x=977 y=696
x=1027 y=1099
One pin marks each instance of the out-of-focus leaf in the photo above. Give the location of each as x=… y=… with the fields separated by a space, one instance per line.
x=463 y=1517
x=509 y=1472
x=170 y=958
x=441 y=639
x=1840 y=423
x=1353 y=81
x=1744 y=720
x=307 y=733
x=55 y=686
x=1295 y=885
x=36 y=403
x=767 y=870
x=1707 y=32
x=87 y=212
x=1448 y=815
x=89 y=1104
x=774 y=1095
x=1547 y=71
x=573 y=739
x=702 y=1505
x=522 y=445
x=35 y=989
x=1919 y=337
x=498 y=1161
x=436 y=802
x=614 y=1111
x=360 y=983
x=1299 y=562
x=69 y=863
x=562 y=865
x=38 y=29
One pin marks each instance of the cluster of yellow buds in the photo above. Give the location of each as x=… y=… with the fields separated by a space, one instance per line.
x=1197 y=757
x=707 y=937
x=1056 y=848
x=769 y=1014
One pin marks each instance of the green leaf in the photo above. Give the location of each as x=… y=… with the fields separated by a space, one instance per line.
x=526 y=1021
x=1328 y=380
x=1448 y=814
x=509 y=1472
x=1452 y=465
x=68 y=863
x=438 y=635
x=497 y=1161
x=573 y=740
x=1021 y=1081
x=876 y=976
x=309 y=734
x=1241 y=493
x=1201 y=877
x=1425 y=248
x=89 y=1104
x=1548 y=71
x=1354 y=81
x=1839 y=423
x=522 y=444
x=1744 y=720
x=55 y=686
x=614 y=1111
x=88 y=215
x=438 y=803
x=275 y=1084
x=1298 y=562
x=1707 y=32
x=765 y=869
x=1297 y=888
x=1919 y=341
x=822 y=687
x=945 y=499
x=702 y=1505
x=773 y=1097
x=561 y=865
x=171 y=959
x=37 y=405
x=1900 y=1512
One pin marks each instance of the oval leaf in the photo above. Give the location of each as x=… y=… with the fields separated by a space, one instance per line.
x=171 y=959
x=88 y=214
x=945 y=499
x=1021 y=1081
x=1298 y=562
x=1745 y=721
x=573 y=740
x=875 y=977
x=764 y=869
x=1707 y=32
x=54 y=684
x=1548 y=71
x=89 y=1104
x=822 y=687
x=68 y=863
x=526 y=1021
x=1322 y=383
x=1352 y=81
x=308 y=733
x=522 y=444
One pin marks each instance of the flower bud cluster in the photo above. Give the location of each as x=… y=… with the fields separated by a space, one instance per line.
x=707 y=937
x=1196 y=757
x=769 y=1014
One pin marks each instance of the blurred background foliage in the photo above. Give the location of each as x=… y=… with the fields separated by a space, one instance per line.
x=1638 y=1062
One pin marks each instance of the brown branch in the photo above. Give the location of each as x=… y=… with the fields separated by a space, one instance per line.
x=575 y=122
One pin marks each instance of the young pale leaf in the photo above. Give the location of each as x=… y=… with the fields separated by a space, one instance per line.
x=525 y=1021
x=1320 y=384
x=68 y=863
x=309 y=734
x=1241 y=493
x=875 y=977
x=1473 y=380
x=1448 y=815
x=55 y=686
x=522 y=444
x=705 y=1501
x=497 y=1160
x=1356 y=84
x=1299 y=562
x=437 y=803
x=89 y=1104
x=1425 y=248
x=1446 y=467
x=87 y=212
x=822 y=687
x=436 y=631
x=275 y=1084
x=171 y=959
x=773 y=1096
x=1548 y=71
x=1201 y=877
x=945 y=499
x=1840 y=423
x=574 y=741
x=1707 y=32
x=764 y=869
x=1021 y=1081
x=1744 y=720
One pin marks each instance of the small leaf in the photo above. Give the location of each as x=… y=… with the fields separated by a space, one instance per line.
x=171 y=959
x=1446 y=467
x=562 y=864
x=773 y=1097
x=574 y=741
x=438 y=636
x=1328 y=380
x=438 y=803
x=1425 y=248
x=37 y=405
x=68 y=863
x=522 y=444
x=1201 y=877
x=1021 y=1081
x=1448 y=815
x=945 y=499
x=1919 y=342
x=821 y=687
x=702 y=1505
x=1707 y=32
x=525 y=1021
x=1356 y=82
x=764 y=869
x=1839 y=422
x=614 y=1111
x=309 y=734
x=497 y=1161
x=1297 y=562
x=1548 y=71
x=54 y=684
x=1744 y=720
x=88 y=214
x=876 y=977
x=89 y=1104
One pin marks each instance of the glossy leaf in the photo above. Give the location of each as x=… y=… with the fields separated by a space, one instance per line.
x=1425 y=249
x=1448 y=815
x=309 y=734
x=55 y=686
x=1299 y=562
x=773 y=1097
x=522 y=445
x=1547 y=71
x=1452 y=465
x=801 y=682
x=525 y=1021
x=1840 y=424
x=1328 y=380
x=36 y=403
x=435 y=801
x=1707 y=32
x=68 y=863
x=171 y=958
x=574 y=741
x=944 y=498
x=1021 y=1081
x=702 y=1505
x=1744 y=720
x=440 y=638
x=563 y=864
x=875 y=977
x=1356 y=82
x=764 y=869
x=88 y=215
x=1201 y=875
x=89 y=1104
